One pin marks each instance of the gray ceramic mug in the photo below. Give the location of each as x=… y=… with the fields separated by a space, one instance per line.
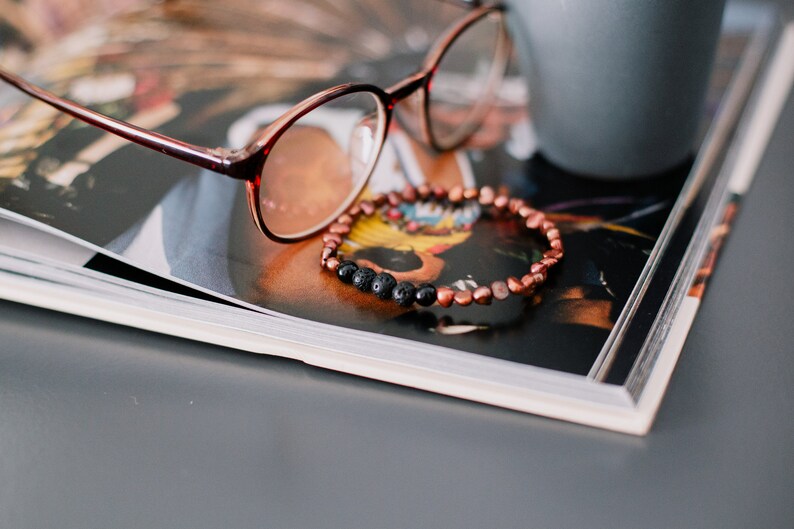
x=617 y=87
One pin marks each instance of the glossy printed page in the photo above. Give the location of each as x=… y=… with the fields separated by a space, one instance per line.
x=215 y=75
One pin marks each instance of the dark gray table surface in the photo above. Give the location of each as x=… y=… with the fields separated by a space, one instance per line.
x=104 y=426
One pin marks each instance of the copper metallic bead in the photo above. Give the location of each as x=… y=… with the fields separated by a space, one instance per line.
x=367 y=207
x=354 y=211
x=332 y=264
x=546 y=226
x=409 y=194
x=338 y=227
x=464 y=297
x=501 y=202
x=482 y=296
x=456 y=194
x=423 y=191
x=514 y=204
x=344 y=218
x=332 y=237
x=537 y=268
x=556 y=244
x=439 y=193
x=553 y=234
x=379 y=200
x=487 y=195
x=500 y=290
x=525 y=211
x=330 y=244
x=549 y=262
x=553 y=253
x=529 y=283
x=327 y=253
x=533 y=280
x=515 y=285
x=535 y=220
x=445 y=296
x=394 y=199
x=470 y=193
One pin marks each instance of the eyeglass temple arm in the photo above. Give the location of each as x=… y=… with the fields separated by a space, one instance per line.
x=219 y=160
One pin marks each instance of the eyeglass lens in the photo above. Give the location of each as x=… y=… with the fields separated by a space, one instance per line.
x=464 y=82
x=320 y=163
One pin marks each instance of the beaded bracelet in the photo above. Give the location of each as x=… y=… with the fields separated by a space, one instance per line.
x=405 y=293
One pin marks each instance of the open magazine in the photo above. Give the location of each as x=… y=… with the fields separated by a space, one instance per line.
x=93 y=225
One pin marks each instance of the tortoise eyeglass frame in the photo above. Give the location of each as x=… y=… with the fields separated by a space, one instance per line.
x=247 y=163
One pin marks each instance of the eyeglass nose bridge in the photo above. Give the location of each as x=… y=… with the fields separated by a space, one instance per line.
x=416 y=120
x=408 y=86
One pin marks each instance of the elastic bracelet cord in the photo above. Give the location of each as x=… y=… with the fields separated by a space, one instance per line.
x=405 y=293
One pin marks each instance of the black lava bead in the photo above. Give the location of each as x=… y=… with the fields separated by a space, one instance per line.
x=425 y=294
x=362 y=279
x=383 y=284
x=345 y=271
x=404 y=294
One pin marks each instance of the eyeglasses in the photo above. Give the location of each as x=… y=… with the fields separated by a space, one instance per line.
x=307 y=166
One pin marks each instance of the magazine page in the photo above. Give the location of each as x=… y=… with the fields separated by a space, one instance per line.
x=204 y=74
